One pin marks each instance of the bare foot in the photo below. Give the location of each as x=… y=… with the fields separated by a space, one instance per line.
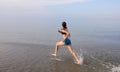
x=54 y=55
x=78 y=62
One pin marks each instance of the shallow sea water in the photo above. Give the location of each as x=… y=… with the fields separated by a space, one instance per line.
x=21 y=57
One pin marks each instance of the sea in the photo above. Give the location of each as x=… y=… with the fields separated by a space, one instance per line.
x=27 y=47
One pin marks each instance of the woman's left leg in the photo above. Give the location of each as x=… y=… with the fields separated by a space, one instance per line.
x=61 y=43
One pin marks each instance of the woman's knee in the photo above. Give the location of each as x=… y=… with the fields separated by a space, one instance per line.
x=57 y=44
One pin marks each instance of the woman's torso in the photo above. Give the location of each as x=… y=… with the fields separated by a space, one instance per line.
x=65 y=34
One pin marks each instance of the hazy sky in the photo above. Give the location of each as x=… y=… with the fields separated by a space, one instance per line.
x=55 y=11
x=36 y=15
x=72 y=8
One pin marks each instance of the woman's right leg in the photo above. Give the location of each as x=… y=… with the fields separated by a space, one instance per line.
x=61 y=43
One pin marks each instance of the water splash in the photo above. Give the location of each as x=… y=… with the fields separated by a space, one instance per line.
x=111 y=67
x=115 y=69
x=80 y=56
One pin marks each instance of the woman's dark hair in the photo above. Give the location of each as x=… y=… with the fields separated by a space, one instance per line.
x=64 y=25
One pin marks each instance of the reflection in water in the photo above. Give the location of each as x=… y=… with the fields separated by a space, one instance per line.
x=56 y=68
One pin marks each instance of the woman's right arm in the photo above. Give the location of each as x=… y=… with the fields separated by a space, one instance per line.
x=60 y=31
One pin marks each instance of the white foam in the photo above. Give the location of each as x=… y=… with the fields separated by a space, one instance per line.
x=115 y=69
x=58 y=59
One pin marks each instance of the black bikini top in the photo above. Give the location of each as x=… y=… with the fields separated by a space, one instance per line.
x=63 y=33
